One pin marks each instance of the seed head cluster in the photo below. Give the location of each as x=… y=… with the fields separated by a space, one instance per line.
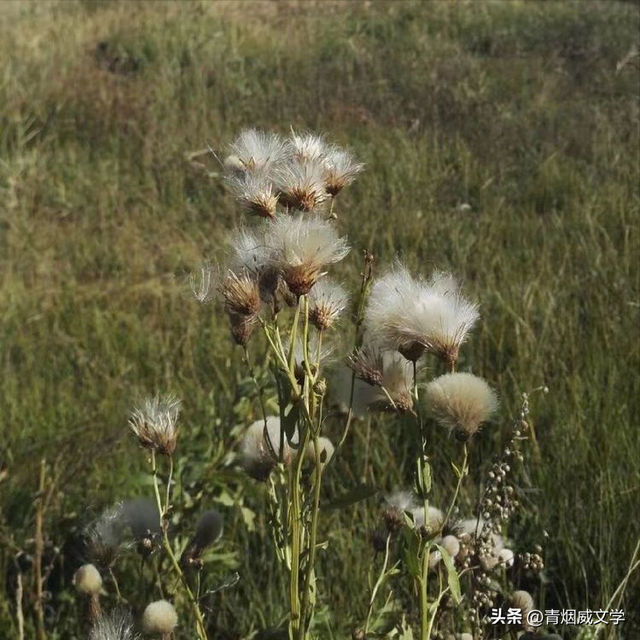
x=413 y=316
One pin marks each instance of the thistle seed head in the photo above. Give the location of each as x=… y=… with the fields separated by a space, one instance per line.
x=433 y=521
x=262 y=448
x=258 y=151
x=367 y=364
x=461 y=402
x=414 y=316
x=327 y=300
x=301 y=185
x=155 y=423
x=341 y=170
x=104 y=537
x=241 y=294
x=87 y=580
x=256 y=194
x=114 y=626
x=306 y=147
x=159 y=618
x=301 y=247
x=395 y=507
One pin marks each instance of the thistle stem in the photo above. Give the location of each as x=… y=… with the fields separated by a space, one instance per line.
x=462 y=473
x=378 y=584
x=201 y=630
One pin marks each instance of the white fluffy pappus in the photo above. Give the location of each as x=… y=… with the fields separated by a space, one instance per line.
x=325 y=448
x=301 y=247
x=414 y=316
x=116 y=625
x=248 y=251
x=154 y=421
x=306 y=146
x=258 y=150
x=301 y=185
x=159 y=618
x=461 y=402
x=432 y=523
x=255 y=192
x=260 y=451
x=327 y=300
x=87 y=580
x=396 y=386
x=341 y=169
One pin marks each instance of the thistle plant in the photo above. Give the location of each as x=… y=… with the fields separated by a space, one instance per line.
x=277 y=283
x=282 y=299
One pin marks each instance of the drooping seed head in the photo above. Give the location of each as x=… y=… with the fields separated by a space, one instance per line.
x=396 y=505
x=367 y=364
x=105 y=537
x=241 y=294
x=208 y=530
x=397 y=381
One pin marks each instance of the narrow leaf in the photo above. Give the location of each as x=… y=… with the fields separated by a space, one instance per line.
x=355 y=495
x=452 y=575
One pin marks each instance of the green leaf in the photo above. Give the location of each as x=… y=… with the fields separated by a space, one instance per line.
x=359 y=493
x=411 y=551
x=452 y=575
x=290 y=420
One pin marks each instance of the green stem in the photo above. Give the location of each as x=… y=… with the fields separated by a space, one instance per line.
x=377 y=585
x=202 y=633
x=462 y=473
x=424 y=602
x=293 y=337
x=367 y=277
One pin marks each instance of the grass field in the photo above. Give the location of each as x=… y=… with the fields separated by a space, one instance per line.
x=500 y=141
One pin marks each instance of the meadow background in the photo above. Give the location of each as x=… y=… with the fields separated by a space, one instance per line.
x=501 y=142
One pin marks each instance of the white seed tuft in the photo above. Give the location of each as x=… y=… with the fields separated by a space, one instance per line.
x=159 y=618
x=301 y=247
x=87 y=580
x=461 y=402
x=414 y=316
x=155 y=423
x=261 y=450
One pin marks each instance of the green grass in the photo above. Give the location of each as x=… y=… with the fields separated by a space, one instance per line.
x=513 y=108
